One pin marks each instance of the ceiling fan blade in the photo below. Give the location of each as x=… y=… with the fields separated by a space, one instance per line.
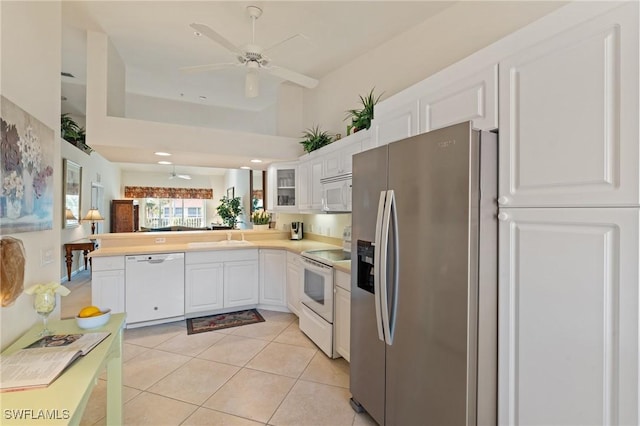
x=208 y=67
x=208 y=32
x=187 y=177
x=292 y=76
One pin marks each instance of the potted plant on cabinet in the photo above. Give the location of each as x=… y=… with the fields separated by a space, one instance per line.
x=314 y=139
x=229 y=210
x=361 y=118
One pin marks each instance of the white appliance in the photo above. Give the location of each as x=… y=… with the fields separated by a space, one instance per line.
x=316 y=295
x=424 y=286
x=155 y=287
x=336 y=193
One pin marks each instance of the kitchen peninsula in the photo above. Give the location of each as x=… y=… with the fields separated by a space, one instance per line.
x=211 y=272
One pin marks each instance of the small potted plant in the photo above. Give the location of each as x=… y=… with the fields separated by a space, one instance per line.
x=314 y=139
x=361 y=118
x=229 y=210
x=73 y=133
x=260 y=219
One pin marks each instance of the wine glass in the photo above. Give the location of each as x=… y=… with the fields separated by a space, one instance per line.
x=44 y=303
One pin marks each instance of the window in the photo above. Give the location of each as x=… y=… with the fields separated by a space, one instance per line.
x=163 y=212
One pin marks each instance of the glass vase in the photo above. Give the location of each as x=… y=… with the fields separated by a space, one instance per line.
x=44 y=303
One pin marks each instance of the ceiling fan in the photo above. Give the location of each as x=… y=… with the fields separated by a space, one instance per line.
x=251 y=57
x=174 y=175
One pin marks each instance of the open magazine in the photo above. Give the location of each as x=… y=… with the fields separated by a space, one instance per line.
x=40 y=363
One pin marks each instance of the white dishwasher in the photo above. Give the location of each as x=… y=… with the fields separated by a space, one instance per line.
x=154 y=287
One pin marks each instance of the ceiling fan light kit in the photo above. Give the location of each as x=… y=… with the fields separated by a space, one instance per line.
x=251 y=57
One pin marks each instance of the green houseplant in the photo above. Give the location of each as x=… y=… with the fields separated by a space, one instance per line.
x=229 y=210
x=361 y=118
x=314 y=139
x=73 y=133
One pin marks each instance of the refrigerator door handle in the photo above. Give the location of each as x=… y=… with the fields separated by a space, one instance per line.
x=378 y=264
x=384 y=249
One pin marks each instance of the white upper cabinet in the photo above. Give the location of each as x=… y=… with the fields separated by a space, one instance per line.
x=474 y=98
x=568 y=316
x=393 y=123
x=569 y=117
x=282 y=187
x=309 y=189
x=337 y=159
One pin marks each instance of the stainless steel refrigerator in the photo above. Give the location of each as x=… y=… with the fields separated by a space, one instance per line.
x=424 y=282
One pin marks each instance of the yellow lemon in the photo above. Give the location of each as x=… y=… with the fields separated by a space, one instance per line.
x=89 y=311
x=96 y=314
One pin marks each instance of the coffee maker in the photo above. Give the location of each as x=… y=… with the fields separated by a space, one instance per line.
x=296 y=230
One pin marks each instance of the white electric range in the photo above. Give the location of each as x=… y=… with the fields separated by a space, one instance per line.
x=317 y=290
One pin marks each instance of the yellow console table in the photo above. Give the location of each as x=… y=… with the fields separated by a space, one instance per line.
x=64 y=401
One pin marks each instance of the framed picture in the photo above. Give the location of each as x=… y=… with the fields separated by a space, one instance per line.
x=71 y=193
x=231 y=192
x=26 y=171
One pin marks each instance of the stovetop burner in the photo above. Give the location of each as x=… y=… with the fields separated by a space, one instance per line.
x=333 y=255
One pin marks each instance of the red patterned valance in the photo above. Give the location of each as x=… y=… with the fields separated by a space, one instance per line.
x=159 y=192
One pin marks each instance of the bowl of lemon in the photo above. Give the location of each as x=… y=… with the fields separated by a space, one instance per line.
x=92 y=317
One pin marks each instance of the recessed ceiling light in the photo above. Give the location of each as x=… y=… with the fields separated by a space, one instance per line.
x=197 y=33
x=255 y=160
x=245 y=167
x=162 y=154
x=165 y=162
x=202 y=98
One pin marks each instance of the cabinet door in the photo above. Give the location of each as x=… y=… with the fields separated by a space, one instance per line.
x=293 y=283
x=568 y=316
x=203 y=287
x=315 y=187
x=107 y=290
x=342 y=326
x=569 y=117
x=282 y=187
x=396 y=124
x=474 y=98
x=273 y=277
x=304 y=185
x=240 y=283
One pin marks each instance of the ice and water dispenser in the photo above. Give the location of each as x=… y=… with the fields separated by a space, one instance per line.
x=365 y=265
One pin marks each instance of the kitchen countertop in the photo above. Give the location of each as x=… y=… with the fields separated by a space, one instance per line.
x=343 y=265
x=289 y=245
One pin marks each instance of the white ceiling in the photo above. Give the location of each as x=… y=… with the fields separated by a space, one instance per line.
x=154 y=40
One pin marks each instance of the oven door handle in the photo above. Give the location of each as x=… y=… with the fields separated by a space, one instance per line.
x=315 y=266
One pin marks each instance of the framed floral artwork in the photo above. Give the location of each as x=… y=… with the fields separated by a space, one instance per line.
x=26 y=171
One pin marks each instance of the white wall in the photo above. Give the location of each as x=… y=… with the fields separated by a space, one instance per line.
x=161 y=179
x=95 y=168
x=30 y=78
x=413 y=56
x=141 y=107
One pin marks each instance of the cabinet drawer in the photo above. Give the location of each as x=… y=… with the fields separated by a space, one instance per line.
x=107 y=263
x=343 y=280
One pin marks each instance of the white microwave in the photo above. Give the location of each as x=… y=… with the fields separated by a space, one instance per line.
x=336 y=193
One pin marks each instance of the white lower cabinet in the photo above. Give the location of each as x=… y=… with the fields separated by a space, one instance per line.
x=294 y=275
x=240 y=283
x=342 y=316
x=107 y=283
x=220 y=279
x=568 y=316
x=203 y=287
x=273 y=276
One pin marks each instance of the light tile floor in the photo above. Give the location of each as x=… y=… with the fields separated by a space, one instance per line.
x=266 y=373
